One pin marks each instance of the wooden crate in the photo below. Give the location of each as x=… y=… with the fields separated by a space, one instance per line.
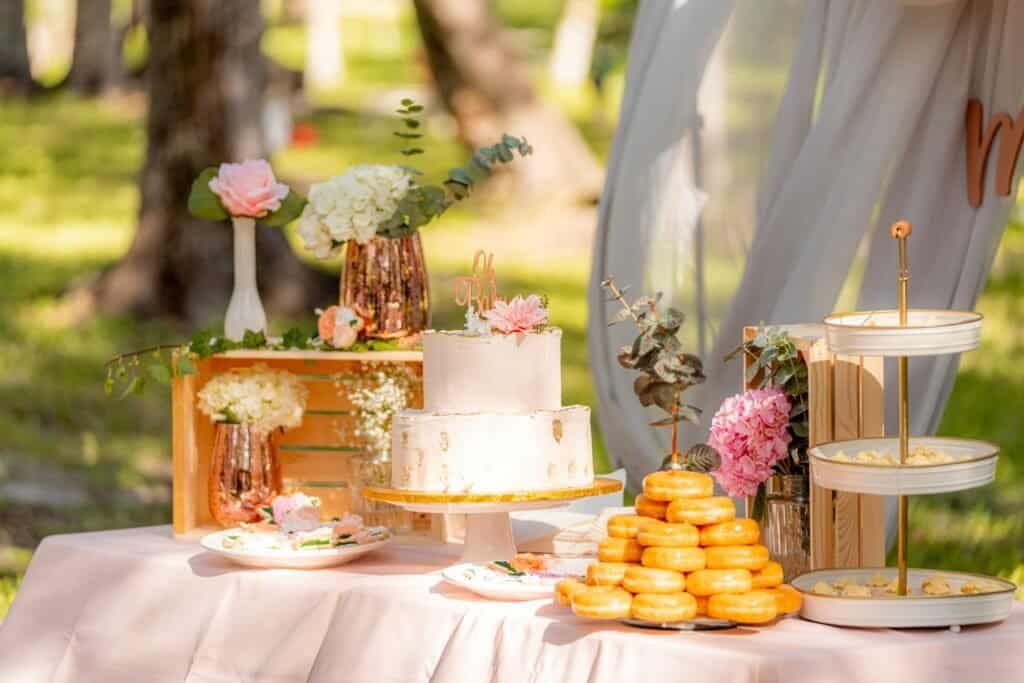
x=316 y=457
x=847 y=401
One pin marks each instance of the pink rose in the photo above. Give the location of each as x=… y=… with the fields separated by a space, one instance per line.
x=339 y=326
x=350 y=525
x=517 y=316
x=297 y=512
x=248 y=189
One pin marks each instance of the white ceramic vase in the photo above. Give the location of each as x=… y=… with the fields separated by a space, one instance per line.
x=245 y=310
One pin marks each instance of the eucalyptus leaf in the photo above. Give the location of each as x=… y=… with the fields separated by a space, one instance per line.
x=203 y=203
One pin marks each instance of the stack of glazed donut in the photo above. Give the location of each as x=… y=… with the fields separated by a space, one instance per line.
x=683 y=554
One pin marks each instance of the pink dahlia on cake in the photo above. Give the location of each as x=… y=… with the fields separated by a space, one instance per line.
x=517 y=316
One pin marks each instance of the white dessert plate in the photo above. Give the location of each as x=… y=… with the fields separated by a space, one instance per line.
x=974 y=465
x=488 y=583
x=265 y=558
x=927 y=333
x=912 y=611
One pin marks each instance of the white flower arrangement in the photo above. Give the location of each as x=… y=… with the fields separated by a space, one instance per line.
x=351 y=206
x=258 y=396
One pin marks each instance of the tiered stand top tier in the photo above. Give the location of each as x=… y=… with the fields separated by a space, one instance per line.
x=926 y=333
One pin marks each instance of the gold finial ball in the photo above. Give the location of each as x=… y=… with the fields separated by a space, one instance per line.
x=900 y=230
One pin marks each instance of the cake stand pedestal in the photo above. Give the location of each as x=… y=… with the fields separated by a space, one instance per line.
x=488 y=525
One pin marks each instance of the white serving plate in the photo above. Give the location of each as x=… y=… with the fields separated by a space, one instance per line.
x=912 y=611
x=317 y=558
x=975 y=466
x=487 y=583
x=878 y=333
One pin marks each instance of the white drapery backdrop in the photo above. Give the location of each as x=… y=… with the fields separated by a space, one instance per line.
x=861 y=103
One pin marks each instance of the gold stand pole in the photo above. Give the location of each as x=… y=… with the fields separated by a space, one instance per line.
x=900 y=231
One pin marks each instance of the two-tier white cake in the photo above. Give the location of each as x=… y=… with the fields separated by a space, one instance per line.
x=493 y=420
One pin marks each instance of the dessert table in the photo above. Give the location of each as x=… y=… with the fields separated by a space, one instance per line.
x=136 y=604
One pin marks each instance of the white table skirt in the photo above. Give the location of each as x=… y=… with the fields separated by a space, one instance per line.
x=136 y=605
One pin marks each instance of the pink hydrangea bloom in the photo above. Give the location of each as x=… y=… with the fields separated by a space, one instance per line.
x=248 y=189
x=517 y=316
x=750 y=432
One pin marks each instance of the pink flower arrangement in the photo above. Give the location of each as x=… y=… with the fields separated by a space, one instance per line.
x=339 y=326
x=750 y=432
x=248 y=189
x=517 y=316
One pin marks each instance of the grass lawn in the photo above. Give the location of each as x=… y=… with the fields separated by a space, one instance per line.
x=67 y=207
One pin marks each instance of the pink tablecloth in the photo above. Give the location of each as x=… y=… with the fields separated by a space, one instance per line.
x=136 y=605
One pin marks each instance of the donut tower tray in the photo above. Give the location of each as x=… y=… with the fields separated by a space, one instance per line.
x=962 y=598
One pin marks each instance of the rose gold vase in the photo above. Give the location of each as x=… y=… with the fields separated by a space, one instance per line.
x=385 y=280
x=245 y=473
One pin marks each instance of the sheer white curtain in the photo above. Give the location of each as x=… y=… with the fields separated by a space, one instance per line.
x=868 y=128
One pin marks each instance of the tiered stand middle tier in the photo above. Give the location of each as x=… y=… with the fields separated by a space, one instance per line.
x=903 y=333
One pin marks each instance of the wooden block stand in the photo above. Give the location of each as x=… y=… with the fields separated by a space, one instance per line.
x=847 y=401
x=318 y=457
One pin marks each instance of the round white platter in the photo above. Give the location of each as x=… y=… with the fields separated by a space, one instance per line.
x=911 y=611
x=974 y=465
x=314 y=558
x=494 y=585
x=878 y=333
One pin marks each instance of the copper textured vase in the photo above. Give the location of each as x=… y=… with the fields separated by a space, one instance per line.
x=385 y=281
x=245 y=473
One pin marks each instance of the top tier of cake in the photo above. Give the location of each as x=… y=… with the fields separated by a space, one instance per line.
x=497 y=373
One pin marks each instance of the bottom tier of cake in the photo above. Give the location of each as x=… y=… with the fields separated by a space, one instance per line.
x=490 y=452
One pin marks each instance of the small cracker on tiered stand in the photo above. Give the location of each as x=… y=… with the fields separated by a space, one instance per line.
x=684 y=554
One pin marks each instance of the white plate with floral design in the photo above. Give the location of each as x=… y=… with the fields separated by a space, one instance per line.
x=495 y=583
x=269 y=551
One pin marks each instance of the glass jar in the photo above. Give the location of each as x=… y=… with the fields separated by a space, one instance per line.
x=376 y=471
x=783 y=509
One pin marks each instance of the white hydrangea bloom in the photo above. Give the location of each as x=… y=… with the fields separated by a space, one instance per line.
x=258 y=396
x=351 y=206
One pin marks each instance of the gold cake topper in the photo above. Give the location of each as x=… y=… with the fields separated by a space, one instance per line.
x=478 y=289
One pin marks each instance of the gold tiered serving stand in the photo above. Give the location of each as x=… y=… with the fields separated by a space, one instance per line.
x=488 y=524
x=902 y=333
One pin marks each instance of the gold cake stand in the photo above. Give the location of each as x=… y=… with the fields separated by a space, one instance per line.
x=488 y=525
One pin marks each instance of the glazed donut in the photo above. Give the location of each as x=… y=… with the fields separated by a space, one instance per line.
x=668 y=485
x=755 y=607
x=619 y=550
x=606 y=573
x=768 y=576
x=702 y=604
x=669 y=535
x=628 y=526
x=663 y=607
x=677 y=559
x=787 y=598
x=752 y=557
x=714 y=581
x=648 y=507
x=737 y=532
x=600 y=602
x=649 y=580
x=564 y=590
x=701 y=510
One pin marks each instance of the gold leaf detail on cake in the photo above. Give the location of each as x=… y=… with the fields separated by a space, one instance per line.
x=556 y=430
x=406 y=475
x=444 y=475
x=444 y=442
x=572 y=468
x=419 y=457
x=552 y=470
x=586 y=469
x=405 y=438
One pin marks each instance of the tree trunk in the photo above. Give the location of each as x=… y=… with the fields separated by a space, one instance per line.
x=574 y=43
x=95 y=66
x=485 y=85
x=15 y=75
x=325 y=60
x=205 y=83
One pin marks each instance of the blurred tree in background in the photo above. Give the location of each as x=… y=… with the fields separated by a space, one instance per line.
x=15 y=75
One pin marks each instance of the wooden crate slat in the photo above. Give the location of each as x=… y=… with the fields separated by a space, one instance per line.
x=819 y=372
x=846 y=425
x=872 y=424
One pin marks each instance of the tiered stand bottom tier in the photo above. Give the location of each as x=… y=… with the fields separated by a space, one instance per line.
x=488 y=525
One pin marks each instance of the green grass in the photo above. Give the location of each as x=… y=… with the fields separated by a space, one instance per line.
x=67 y=208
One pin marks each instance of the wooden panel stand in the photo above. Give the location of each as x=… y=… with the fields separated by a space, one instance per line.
x=316 y=457
x=847 y=401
